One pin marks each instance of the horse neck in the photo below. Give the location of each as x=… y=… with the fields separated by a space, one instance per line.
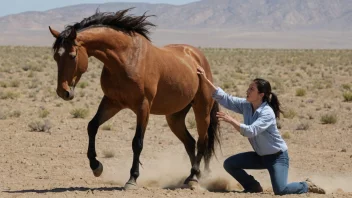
x=106 y=45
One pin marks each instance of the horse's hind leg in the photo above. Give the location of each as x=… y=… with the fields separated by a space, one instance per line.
x=106 y=110
x=201 y=109
x=177 y=125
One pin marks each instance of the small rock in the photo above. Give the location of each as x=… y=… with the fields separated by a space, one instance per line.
x=310 y=101
x=340 y=191
x=344 y=150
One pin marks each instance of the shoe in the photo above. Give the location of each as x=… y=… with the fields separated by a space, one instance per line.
x=313 y=188
x=254 y=189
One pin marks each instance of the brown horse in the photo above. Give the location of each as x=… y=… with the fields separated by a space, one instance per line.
x=141 y=77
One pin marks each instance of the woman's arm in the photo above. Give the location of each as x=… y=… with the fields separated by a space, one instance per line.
x=227 y=118
x=264 y=121
x=228 y=101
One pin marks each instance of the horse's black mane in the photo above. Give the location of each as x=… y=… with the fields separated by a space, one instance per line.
x=118 y=20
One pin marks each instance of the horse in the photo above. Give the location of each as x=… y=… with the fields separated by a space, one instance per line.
x=142 y=77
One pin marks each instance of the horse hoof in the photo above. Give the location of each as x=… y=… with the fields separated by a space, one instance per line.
x=194 y=185
x=184 y=186
x=98 y=171
x=131 y=186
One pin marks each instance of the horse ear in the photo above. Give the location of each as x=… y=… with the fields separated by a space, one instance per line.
x=54 y=32
x=73 y=34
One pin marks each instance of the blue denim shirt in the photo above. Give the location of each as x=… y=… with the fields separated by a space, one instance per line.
x=259 y=127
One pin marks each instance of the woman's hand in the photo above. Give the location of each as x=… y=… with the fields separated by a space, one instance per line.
x=224 y=117
x=227 y=118
x=201 y=71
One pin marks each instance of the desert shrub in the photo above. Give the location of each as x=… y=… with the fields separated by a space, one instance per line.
x=3 y=115
x=40 y=126
x=34 y=84
x=37 y=68
x=108 y=154
x=9 y=95
x=191 y=122
x=3 y=84
x=286 y=135
x=227 y=85
x=107 y=127
x=303 y=126
x=346 y=87
x=328 y=119
x=31 y=74
x=300 y=92
x=26 y=67
x=43 y=113
x=14 y=83
x=15 y=114
x=82 y=85
x=310 y=116
x=347 y=96
x=290 y=114
x=79 y=113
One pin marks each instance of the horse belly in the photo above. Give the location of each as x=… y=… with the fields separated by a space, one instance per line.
x=173 y=96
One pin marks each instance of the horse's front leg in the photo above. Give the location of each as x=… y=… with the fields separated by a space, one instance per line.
x=137 y=143
x=106 y=110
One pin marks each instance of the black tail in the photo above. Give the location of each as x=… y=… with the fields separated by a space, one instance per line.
x=213 y=133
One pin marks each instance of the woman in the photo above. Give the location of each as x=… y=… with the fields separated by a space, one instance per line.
x=260 y=109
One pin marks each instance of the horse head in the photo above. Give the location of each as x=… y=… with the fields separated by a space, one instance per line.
x=72 y=61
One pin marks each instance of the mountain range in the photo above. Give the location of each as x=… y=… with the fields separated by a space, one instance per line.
x=209 y=23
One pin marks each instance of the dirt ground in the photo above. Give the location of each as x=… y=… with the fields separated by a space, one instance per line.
x=53 y=163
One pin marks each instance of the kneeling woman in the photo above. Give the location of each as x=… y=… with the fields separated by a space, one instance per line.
x=260 y=109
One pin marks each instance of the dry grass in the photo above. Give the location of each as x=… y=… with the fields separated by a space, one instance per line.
x=191 y=122
x=27 y=87
x=79 y=113
x=303 y=126
x=29 y=74
x=289 y=114
x=307 y=82
x=347 y=96
x=107 y=127
x=108 y=154
x=328 y=119
x=300 y=92
x=286 y=135
x=40 y=126
x=43 y=113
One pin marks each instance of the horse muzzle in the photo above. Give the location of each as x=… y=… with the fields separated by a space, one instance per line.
x=66 y=95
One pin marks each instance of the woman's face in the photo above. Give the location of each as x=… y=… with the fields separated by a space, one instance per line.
x=253 y=94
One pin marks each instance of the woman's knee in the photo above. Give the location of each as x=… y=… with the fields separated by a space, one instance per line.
x=229 y=164
x=280 y=191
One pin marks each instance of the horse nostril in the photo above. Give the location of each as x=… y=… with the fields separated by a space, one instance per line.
x=67 y=95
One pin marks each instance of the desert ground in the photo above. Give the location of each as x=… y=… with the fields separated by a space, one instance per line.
x=44 y=139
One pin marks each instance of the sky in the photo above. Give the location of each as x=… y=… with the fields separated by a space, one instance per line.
x=17 y=6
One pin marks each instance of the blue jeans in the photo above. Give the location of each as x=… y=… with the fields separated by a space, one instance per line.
x=276 y=164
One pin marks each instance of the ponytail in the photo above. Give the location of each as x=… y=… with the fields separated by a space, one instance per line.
x=269 y=97
x=274 y=103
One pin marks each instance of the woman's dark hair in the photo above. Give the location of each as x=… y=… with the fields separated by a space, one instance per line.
x=264 y=86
